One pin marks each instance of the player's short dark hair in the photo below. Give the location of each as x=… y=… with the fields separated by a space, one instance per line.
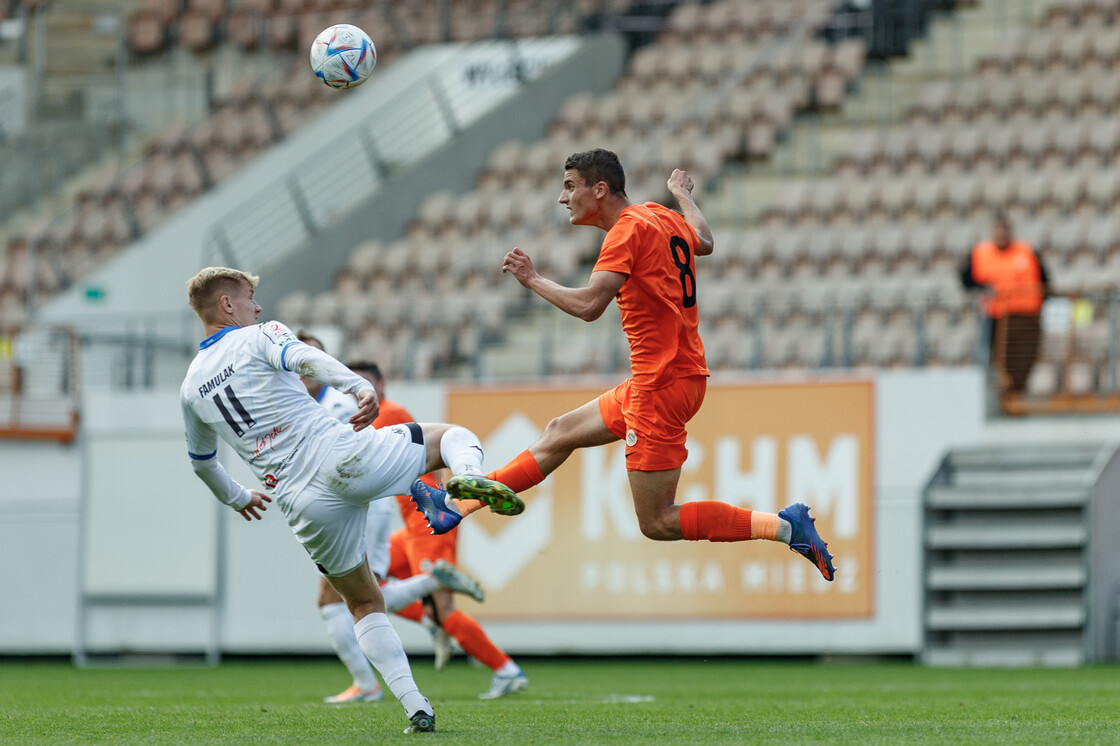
x=1000 y=218
x=365 y=366
x=599 y=165
x=307 y=337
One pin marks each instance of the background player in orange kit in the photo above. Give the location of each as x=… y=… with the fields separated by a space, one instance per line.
x=414 y=550
x=647 y=262
x=336 y=616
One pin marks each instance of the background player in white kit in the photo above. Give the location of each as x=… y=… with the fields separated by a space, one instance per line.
x=242 y=387
x=397 y=593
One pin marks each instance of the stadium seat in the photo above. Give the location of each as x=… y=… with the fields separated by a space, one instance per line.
x=147 y=34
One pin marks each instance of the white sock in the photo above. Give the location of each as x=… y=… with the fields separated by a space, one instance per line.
x=461 y=451
x=340 y=629
x=382 y=646
x=785 y=530
x=400 y=593
x=509 y=668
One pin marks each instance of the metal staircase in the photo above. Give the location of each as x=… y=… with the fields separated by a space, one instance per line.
x=1019 y=562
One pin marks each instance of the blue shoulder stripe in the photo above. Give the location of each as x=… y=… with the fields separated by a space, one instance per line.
x=284 y=354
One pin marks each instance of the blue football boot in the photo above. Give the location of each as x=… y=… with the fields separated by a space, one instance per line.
x=432 y=502
x=806 y=541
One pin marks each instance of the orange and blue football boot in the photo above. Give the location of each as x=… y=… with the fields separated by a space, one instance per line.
x=432 y=502
x=806 y=541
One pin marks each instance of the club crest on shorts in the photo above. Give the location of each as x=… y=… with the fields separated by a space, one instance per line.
x=631 y=438
x=270 y=481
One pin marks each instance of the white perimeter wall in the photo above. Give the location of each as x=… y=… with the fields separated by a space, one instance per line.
x=155 y=531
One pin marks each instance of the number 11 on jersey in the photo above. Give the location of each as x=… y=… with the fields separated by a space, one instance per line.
x=238 y=407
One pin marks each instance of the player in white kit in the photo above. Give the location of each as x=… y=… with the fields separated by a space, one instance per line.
x=244 y=387
x=397 y=593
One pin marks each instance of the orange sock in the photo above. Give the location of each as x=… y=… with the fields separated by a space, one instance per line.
x=473 y=640
x=717 y=521
x=519 y=475
x=414 y=611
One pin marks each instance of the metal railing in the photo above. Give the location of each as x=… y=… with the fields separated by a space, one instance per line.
x=39 y=384
x=1075 y=366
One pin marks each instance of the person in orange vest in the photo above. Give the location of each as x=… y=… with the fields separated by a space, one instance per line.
x=1015 y=282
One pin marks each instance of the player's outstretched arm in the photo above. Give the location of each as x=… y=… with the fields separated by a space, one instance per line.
x=311 y=362
x=680 y=186
x=587 y=303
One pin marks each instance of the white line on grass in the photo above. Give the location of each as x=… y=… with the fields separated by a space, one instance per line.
x=606 y=699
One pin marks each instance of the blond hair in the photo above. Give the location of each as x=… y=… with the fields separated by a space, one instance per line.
x=204 y=289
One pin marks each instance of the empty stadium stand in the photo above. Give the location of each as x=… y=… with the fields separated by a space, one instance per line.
x=844 y=196
x=114 y=204
x=880 y=202
x=715 y=88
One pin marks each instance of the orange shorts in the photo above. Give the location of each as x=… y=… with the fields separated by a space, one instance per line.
x=653 y=422
x=410 y=553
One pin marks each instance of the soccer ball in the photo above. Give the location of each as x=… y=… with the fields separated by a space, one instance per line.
x=343 y=56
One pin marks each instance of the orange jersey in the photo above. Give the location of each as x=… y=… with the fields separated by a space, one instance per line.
x=654 y=246
x=1014 y=275
x=391 y=413
x=410 y=554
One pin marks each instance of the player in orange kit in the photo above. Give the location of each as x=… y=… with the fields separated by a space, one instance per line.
x=414 y=550
x=647 y=262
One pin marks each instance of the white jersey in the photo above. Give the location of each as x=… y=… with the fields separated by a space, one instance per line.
x=338 y=405
x=242 y=387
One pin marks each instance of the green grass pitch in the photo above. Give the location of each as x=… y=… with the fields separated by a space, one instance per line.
x=670 y=701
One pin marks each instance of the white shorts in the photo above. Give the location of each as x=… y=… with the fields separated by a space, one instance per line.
x=330 y=516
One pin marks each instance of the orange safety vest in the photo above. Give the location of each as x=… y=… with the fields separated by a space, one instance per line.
x=1014 y=276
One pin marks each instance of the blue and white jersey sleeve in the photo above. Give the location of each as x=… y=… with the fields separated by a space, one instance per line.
x=286 y=352
x=202 y=441
x=277 y=340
